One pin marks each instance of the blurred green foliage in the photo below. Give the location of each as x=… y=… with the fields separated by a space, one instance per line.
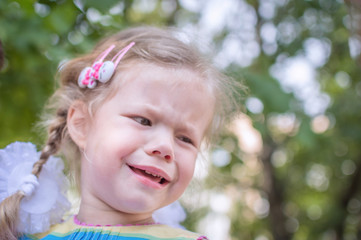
x=307 y=176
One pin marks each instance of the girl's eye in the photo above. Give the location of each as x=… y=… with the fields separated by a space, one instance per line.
x=143 y=121
x=186 y=140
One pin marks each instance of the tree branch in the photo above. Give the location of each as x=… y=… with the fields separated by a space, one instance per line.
x=348 y=194
x=275 y=195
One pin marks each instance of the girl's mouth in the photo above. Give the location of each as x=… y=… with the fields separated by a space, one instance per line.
x=150 y=175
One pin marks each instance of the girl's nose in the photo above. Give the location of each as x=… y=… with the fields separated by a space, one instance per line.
x=161 y=146
x=163 y=154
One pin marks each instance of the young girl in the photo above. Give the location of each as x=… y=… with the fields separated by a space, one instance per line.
x=130 y=118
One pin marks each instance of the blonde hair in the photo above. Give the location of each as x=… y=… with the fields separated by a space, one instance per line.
x=152 y=45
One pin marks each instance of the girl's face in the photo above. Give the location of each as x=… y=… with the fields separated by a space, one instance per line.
x=141 y=145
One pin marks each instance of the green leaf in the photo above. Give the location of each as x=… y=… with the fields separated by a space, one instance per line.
x=103 y=6
x=62 y=17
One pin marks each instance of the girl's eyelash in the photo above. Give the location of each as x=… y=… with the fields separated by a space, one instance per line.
x=143 y=121
x=186 y=140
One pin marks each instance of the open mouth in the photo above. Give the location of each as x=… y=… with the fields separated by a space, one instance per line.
x=149 y=175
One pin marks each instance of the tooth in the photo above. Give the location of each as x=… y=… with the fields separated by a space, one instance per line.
x=153 y=174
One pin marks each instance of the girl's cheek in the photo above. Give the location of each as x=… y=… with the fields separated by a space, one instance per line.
x=188 y=171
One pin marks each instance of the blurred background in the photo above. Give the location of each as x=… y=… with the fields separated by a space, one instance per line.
x=290 y=166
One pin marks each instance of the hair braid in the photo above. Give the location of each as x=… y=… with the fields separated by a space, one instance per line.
x=54 y=141
x=9 y=207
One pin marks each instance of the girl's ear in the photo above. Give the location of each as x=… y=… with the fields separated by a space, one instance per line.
x=78 y=121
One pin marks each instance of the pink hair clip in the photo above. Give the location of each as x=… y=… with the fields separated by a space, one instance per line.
x=101 y=71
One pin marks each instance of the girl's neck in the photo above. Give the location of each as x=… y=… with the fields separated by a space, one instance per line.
x=91 y=216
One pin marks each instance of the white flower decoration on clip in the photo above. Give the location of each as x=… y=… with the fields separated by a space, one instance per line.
x=45 y=205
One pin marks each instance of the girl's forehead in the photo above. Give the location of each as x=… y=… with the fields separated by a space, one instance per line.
x=146 y=74
x=162 y=86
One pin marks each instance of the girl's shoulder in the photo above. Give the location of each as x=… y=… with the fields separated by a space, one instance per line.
x=70 y=230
